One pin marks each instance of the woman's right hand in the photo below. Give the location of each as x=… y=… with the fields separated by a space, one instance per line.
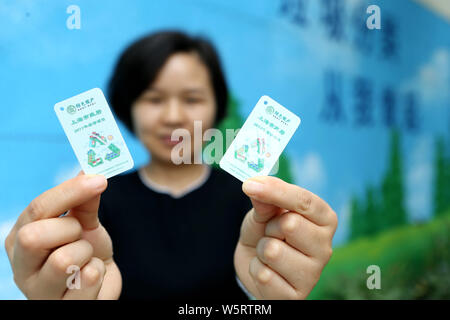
x=45 y=249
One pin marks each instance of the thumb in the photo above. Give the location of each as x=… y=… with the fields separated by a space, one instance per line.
x=87 y=212
x=254 y=224
x=257 y=189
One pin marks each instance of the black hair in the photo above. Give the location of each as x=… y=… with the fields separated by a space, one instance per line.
x=141 y=62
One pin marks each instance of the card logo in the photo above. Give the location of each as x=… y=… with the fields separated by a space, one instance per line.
x=71 y=109
x=270 y=110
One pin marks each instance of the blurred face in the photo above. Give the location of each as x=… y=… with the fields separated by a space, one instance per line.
x=181 y=94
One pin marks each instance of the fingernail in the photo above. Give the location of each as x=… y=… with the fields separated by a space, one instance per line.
x=96 y=180
x=251 y=186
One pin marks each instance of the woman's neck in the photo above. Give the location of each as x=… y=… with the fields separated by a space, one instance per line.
x=175 y=177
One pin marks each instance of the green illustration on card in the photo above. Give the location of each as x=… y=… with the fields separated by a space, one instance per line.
x=253 y=154
x=97 y=140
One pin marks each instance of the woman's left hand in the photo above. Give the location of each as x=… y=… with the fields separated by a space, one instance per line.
x=285 y=239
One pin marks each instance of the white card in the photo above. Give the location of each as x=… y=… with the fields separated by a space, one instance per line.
x=259 y=143
x=93 y=134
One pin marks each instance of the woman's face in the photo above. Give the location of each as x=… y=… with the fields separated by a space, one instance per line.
x=181 y=94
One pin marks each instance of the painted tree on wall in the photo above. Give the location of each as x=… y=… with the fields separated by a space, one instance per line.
x=441 y=186
x=392 y=188
x=357 y=224
x=381 y=208
x=373 y=211
x=365 y=214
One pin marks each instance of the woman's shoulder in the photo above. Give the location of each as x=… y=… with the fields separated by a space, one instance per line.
x=122 y=182
x=222 y=178
x=120 y=188
x=229 y=186
x=230 y=191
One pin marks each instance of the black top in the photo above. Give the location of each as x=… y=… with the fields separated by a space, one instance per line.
x=175 y=247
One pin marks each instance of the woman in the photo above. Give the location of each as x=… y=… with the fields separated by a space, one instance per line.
x=178 y=231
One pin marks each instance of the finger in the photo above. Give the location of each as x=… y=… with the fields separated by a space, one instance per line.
x=80 y=173
x=36 y=240
x=90 y=282
x=52 y=278
x=100 y=241
x=272 y=190
x=87 y=213
x=264 y=210
x=69 y=194
x=254 y=224
x=19 y=223
x=112 y=282
x=301 y=234
x=269 y=284
x=298 y=270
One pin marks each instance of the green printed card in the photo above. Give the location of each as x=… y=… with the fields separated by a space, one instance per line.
x=260 y=141
x=93 y=134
